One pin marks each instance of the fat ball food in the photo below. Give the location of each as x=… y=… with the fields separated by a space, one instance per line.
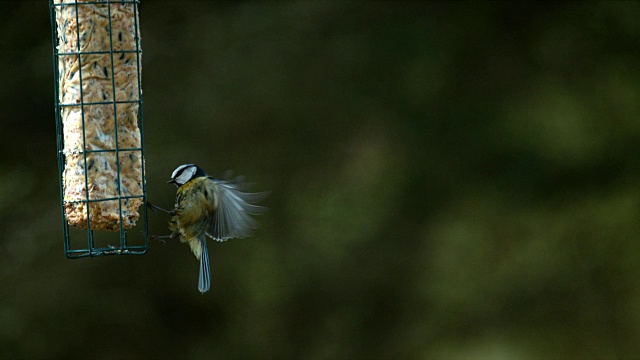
x=87 y=83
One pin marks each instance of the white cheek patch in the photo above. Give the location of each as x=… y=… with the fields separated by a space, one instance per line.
x=186 y=175
x=178 y=169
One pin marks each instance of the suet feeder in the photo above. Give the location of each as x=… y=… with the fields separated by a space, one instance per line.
x=99 y=126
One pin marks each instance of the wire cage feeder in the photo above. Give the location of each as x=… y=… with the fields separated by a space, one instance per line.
x=99 y=126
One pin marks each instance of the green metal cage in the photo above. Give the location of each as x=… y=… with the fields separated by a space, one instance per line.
x=79 y=243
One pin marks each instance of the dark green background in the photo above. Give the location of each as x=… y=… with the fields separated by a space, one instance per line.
x=450 y=180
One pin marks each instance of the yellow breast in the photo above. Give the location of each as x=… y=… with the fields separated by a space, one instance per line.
x=195 y=205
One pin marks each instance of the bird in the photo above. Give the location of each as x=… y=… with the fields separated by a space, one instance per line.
x=209 y=207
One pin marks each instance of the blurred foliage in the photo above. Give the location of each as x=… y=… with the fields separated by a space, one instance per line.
x=451 y=180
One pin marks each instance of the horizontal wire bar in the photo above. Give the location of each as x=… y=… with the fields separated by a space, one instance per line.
x=101 y=151
x=112 y=150
x=97 y=3
x=117 y=248
x=102 y=103
x=108 y=249
x=104 y=199
x=99 y=52
x=78 y=254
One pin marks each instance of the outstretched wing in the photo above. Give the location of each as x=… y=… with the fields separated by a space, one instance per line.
x=233 y=217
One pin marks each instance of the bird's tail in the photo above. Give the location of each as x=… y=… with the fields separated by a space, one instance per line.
x=204 y=282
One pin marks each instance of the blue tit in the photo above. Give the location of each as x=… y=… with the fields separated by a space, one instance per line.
x=206 y=206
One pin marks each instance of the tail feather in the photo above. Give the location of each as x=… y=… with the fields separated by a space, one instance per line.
x=204 y=282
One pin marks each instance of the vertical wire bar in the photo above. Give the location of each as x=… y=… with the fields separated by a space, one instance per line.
x=59 y=136
x=84 y=137
x=141 y=124
x=115 y=120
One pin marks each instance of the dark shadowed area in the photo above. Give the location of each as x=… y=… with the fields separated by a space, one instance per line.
x=450 y=180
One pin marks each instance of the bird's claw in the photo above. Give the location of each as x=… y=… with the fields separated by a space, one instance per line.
x=157 y=238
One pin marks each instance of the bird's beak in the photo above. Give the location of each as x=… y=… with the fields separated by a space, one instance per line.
x=172 y=181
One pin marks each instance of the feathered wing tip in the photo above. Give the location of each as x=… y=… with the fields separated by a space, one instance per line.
x=236 y=208
x=238 y=182
x=204 y=282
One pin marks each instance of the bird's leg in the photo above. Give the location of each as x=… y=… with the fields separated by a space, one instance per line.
x=162 y=237
x=154 y=208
